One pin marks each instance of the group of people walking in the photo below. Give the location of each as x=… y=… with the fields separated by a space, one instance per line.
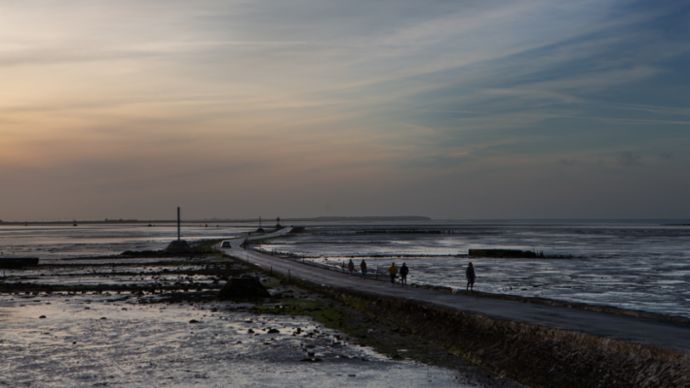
x=362 y=267
x=404 y=270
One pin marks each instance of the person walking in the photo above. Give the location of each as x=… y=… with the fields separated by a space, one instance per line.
x=363 y=268
x=471 y=276
x=392 y=272
x=351 y=267
x=404 y=270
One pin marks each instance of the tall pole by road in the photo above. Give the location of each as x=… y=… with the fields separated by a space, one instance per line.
x=179 y=235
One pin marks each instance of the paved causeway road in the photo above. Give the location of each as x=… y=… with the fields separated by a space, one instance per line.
x=641 y=330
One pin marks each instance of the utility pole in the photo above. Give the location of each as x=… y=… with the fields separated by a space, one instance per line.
x=179 y=235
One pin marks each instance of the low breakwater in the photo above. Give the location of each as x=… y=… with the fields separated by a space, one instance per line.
x=530 y=354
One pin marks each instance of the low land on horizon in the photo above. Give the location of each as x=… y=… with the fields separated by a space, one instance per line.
x=367 y=219
x=224 y=220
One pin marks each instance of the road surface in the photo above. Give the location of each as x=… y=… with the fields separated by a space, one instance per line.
x=640 y=330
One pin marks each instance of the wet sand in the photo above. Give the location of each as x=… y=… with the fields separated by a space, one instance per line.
x=92 y=340
x=141 y=321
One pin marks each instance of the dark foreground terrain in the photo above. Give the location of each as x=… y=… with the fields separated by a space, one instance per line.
x=145 y=318
x=483 y=351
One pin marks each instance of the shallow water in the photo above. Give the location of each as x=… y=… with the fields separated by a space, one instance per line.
x=61 y=241
x=632 y=265
x=635 y=266
x=96 y=339
x=99 y=341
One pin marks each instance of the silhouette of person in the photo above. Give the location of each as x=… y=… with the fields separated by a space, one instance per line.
x=363 y=268
x=392 y=272
x=471 y=276
x=351 y=266
x=404 y=270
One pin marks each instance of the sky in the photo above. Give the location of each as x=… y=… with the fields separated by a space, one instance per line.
x=440 y=108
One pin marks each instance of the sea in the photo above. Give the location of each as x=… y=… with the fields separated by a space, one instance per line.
x=636 y=264
x=632 y=264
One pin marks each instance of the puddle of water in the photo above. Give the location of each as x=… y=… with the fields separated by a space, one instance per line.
x=97 y=340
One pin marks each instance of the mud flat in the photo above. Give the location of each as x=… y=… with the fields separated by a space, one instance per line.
x=136 y=320
x=90 y=340
x=156 y=321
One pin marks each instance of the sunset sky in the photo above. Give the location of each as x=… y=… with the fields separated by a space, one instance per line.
x=463 y=109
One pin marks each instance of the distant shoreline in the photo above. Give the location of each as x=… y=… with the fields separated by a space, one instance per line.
x=670 y=222
x=266 y=221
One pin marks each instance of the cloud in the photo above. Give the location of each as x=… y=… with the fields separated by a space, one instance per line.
x=351 y=95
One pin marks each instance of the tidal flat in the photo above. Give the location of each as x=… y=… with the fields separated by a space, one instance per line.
x=141 y=321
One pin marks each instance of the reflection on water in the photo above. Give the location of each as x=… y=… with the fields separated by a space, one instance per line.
x=635 y=266
x=59 y=241
x=639 y=266
x=94 y=341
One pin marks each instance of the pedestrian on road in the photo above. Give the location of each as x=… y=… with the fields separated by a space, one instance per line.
x=363 y=268
x=403 y=274
x=393 y=272
x=351 y=266
x=469 y=273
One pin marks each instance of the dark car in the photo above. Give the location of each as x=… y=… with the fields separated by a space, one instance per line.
x=225 y=245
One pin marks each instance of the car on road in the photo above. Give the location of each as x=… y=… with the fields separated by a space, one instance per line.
x=225 y=245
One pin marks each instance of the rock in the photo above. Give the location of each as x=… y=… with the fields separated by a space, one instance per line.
x=103 y=318
x=42 y=317
x=193 y=321
x=243 y=289
x=250 y=331
x=273 y=331
x=178 y=246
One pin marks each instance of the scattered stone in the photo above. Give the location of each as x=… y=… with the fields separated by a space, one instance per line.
x=273 y=331
x=42 y=317
x=193 y=321
x=103 y=318
x=250 y=331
